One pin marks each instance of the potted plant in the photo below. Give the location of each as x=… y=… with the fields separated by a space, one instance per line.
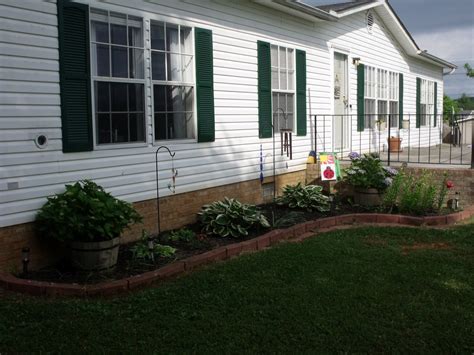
x=369 y=178
x=394 y=144
x=90 y=221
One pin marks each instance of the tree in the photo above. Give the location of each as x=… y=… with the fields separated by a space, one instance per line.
x=465 y=102
x=450 y=106
x=469 y=70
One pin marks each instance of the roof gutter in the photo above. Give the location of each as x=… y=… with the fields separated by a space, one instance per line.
x=306 y=9
x=440 y=61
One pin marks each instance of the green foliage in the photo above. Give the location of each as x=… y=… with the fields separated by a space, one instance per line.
x=148 y=250
x=368 y=172
x=184 y=235
x=289 y=219
x=450 y=106
x=308 y=197
x=231 y=218
x=469 y=70
x=415 y=195
x=465 y=102
x=85 y=212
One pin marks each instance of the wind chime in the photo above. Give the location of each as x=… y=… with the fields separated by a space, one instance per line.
x=171 y=184
x=286 y=142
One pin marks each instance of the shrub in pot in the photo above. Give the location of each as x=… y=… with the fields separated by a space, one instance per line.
x=369 y=178
x=89 y=220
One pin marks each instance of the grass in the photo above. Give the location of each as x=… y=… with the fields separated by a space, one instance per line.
x=361 y=290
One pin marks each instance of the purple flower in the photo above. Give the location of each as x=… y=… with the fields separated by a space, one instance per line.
x=354 y=156
x=391 y=171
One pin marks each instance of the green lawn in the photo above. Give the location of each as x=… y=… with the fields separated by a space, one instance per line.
x=360 y=290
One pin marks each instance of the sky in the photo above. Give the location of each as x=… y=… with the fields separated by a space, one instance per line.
x=443 y=27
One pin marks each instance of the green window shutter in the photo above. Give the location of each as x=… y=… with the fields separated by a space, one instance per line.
x=204 y=85
x=418 y=103
x=74 y=70
x=400 y=100
x=435 y=108
x=360 y=97
x=300 y=93
x=264 y=90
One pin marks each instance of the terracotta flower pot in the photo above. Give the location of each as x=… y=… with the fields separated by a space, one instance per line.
x=95 y=255
x=367 y=197
x=394 y=144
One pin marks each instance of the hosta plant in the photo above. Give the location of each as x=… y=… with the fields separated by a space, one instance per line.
x=85 y=212
x=149 y=250
x=231 y=218
x=309 y=197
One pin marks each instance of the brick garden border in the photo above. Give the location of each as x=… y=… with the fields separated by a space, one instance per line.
x=297 y=232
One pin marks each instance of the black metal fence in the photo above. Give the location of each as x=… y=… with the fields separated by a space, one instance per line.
x=428 y=139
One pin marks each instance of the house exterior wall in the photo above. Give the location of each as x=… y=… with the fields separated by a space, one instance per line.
x=30 y=100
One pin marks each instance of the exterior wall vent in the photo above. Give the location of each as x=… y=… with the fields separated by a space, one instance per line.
x=370 y=21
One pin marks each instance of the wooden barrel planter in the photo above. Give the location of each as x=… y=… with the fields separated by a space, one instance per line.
x=395 y=144
x=367 y=197
x=95 y=255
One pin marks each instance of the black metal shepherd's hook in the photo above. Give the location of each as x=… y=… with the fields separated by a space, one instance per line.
x=157 y=188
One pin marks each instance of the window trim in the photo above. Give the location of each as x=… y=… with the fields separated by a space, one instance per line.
x=282 y=91
x=157 y=142
x=428 y=96
x=94 y=78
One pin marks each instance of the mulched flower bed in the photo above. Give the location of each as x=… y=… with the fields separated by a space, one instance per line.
x=127 y=265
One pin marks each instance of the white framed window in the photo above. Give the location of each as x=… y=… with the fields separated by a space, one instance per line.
x=381 y=97
x=426 y=102
x=283 y=87
x=172 y=63
x=118 y=80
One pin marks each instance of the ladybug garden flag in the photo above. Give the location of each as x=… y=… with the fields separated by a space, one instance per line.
x=330 y=169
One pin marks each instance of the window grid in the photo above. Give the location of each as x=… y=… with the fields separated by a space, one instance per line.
x=426 y=102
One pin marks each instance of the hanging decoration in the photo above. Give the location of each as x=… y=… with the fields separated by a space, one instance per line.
x=261 y=164
x=171 y=184
x=286 y=142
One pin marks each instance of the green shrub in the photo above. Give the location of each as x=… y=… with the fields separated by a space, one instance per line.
x=85 y=212
x=308 y=197
x=231 y=218
x=145 y=250
x=185 y=237
x=416 y=195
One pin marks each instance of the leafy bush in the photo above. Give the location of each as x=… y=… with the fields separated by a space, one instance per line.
x=149 y=250
x=367 y=172
x=308 y=197
x=289 y=219
x=184 y=235
x=231 y=218
x=415 y=195
x=85 y=212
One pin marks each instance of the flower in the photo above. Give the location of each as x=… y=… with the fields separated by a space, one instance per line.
x=449 y=184
x=388 y=181
x=354 y=156
x=391 y=171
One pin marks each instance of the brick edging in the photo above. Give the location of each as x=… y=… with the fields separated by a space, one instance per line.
x=299 y=231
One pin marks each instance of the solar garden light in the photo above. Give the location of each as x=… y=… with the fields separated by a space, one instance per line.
x=456 y=200
x=151 y=247
x=25 y=259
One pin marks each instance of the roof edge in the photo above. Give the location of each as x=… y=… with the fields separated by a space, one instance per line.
x=437 y=60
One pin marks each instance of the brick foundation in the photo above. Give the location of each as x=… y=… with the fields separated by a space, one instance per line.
x=175 y=212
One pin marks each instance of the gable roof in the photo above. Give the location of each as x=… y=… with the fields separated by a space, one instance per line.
x=333 y=12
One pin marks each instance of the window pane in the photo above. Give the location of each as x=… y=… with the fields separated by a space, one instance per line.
x=187 y=68
x=291 y=80
x=118 y=34
x=160 y=126
x=172 y=38
x=135 y=98
x=159 y=97
x=275 y=78
x=177 y=125
x=158 y=66
x=119 y=62
x=102 y=97
x=188 y=98
x=136 y=63
x=283 y=79
x=274 y=52
x=174 y=98
x=189 y=125
x=282 y=57
x=174 y=67
x=135 y=32
x=291 y=64
x=118 y=97
x=158 y=36
x=119 y=127
x=100 y=60
x=103 y=124
x=289 y=103
x=186 y=40
x=100 y=32
x=137 y=127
